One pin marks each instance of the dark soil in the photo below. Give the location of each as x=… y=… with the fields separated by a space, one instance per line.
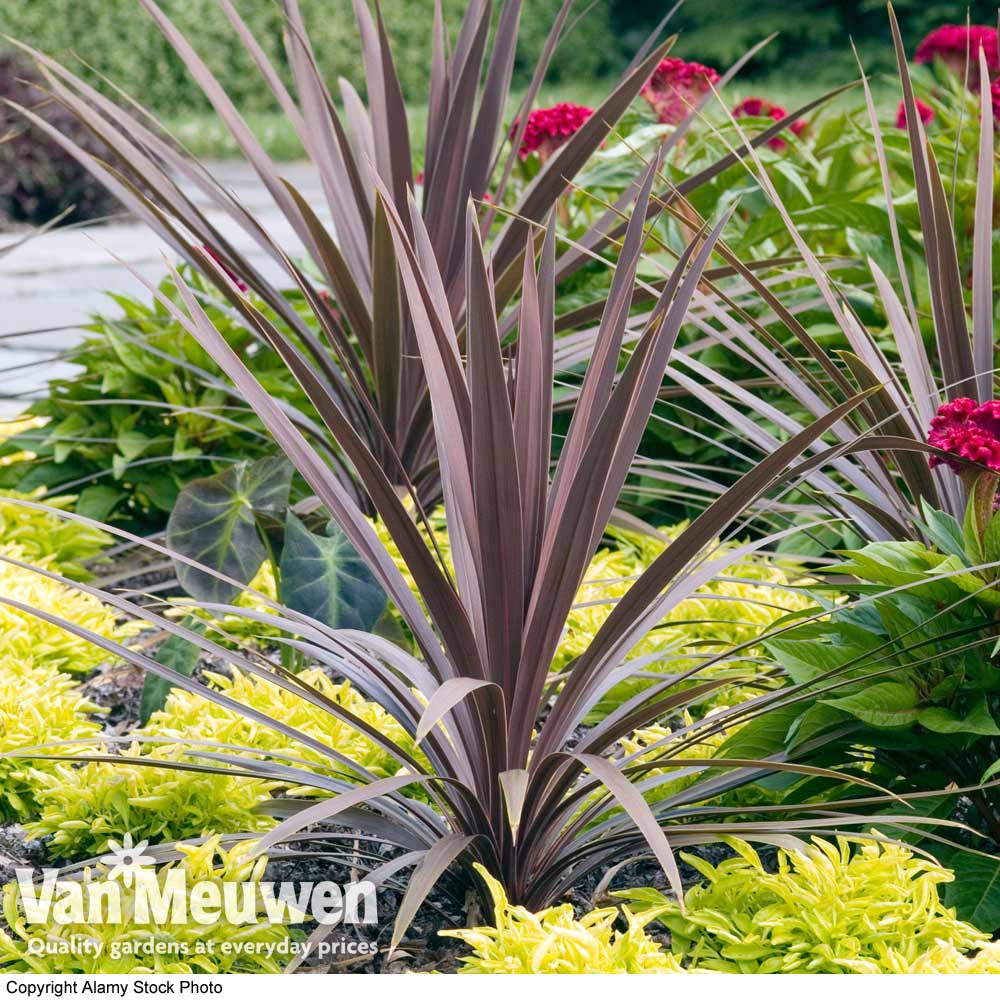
x=16 y=851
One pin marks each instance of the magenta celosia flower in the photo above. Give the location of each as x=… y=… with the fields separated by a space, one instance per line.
x=676 y=87
x=953 y=44
x=925 y=111
x=757 y=107
x=549 y=128
x=968 y=430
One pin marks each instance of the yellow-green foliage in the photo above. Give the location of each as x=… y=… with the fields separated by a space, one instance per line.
x=30 y=639
x=85 y=807
x=187 y=947
x=11 y=428
x=737 y=607
x=554 y=941
x=38 y=705
x=852 y=907
x=46 y=538
x=708 y=743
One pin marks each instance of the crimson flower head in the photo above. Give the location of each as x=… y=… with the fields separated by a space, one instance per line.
x=953 y=44
x=925 y=111
x=548 y=128
x=968 y=430
x=758 y=107
x=676 y=87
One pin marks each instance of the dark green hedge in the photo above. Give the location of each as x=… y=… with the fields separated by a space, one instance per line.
x=814 y=36
x=118 y=39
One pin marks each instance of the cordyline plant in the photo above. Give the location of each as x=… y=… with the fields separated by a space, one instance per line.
x=514 y=783
x=884 y=486
x=366 y=350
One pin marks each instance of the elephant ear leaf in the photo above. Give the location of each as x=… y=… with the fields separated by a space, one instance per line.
x=324 y=577
x=216 y=521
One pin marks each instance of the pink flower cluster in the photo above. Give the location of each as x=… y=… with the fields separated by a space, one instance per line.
x=676 y=87
x=953 y=44
x=548 y=128
x=758 y=107
x=968 y=430
x=925 y=111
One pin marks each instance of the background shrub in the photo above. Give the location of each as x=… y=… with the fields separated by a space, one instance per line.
x=38 y=178
x=96 y=30
x=808 y=29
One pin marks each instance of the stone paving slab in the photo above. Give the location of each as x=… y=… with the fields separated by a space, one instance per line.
x=53 y=284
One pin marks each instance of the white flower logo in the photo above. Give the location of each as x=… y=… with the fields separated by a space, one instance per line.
x=126 y=860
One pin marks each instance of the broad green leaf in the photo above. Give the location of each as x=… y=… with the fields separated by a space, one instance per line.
x=807 y=659
x=324 y=577
x=891 y=563
x=943 y=530
x=814 y=720
x=215 y=521
x=991 y=544
x=977 y=720
x=762 y=736
x=969 y=583
x=975 y=893
x=887 y=705
x=98 y=501
x=181 y=656
x=978 y=514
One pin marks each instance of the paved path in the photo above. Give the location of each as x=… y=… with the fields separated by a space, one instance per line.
x=51 y=286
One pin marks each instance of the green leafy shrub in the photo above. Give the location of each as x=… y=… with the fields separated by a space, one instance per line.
x=43 y=536
x=26 y=638
x=148 y=68
x=905 y=672
x=39 y=180
x=851 y=907
x=186 y=948
x=554 y=941
x=38 y=705
x=84 y=807
x=148 y=413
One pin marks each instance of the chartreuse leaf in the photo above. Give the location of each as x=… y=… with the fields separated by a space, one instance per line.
x=886 y=705
x=324 y=577
x=215 y=521
x=181 y=656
